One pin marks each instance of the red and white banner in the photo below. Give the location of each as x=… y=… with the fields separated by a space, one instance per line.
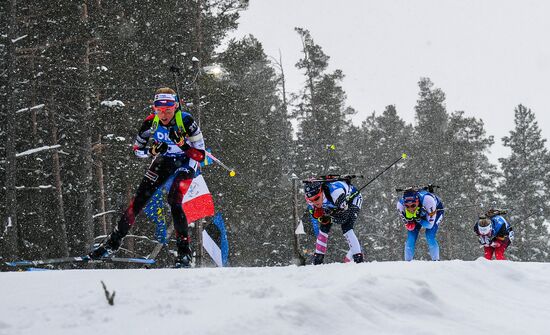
x=197 y=202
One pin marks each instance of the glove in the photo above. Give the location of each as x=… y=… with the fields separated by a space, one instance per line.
x=325 y=219
x=484 y=241
x=495 y=244
x=158 y=148
x=193 y=153
x=411 y=225
x=178 y=138
x=341 y=202
x=140 y=152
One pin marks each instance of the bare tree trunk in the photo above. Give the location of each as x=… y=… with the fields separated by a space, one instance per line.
x=87 y=220
x=299 y=259
x=130 y=242
x=10 y=230
x=101 y=185
x=197 y=109
x=283 y=83
x=61 y=226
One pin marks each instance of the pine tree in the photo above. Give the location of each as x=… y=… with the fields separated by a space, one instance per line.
x=321 y=112
x=245 y=123
x=525 y=187
x=322 y=122
x=380 y=141
x=470 y=184
x=450 y=151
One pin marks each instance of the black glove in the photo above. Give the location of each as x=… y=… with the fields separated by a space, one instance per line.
x=158 y=148
x=341 y=202
x=178 y=138
x=325 y=219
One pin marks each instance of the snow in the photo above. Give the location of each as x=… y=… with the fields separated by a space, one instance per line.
x=448 y=297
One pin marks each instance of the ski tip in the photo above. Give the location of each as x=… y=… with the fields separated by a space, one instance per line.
x=18 y=263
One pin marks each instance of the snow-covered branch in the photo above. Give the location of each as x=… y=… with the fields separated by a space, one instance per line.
x=112 y=103
x=103 y=213
x=18 y=39
x=35 y=150
x=39 y=187
x=29 y=109
x=7 y=226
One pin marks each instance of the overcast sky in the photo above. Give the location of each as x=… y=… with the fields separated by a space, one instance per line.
x=488 y=56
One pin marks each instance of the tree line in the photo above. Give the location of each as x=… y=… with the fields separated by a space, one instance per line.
x=77 y=80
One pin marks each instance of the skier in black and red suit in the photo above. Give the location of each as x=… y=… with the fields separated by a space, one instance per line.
x=178 y=147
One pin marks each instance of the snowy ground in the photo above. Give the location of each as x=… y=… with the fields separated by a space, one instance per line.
x=452 y=297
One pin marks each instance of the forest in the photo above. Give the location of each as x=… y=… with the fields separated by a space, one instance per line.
x=78 y=77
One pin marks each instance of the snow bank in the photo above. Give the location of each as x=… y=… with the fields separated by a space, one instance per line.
x=453 y=297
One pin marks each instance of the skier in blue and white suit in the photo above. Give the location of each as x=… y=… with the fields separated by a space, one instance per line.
x=420 y=209
x=332 y=202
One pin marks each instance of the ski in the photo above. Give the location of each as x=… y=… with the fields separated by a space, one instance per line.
x=83 y=259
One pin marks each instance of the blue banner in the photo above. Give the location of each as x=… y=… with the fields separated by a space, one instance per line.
x=224 y=243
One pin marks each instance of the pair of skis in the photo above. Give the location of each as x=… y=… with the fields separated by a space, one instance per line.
x=148 y=261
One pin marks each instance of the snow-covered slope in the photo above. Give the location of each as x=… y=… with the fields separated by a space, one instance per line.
x=452 y=297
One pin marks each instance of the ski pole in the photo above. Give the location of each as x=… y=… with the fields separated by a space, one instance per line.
x=232 y=172
x=176 y=71
x=354 y=194
x=538 y=211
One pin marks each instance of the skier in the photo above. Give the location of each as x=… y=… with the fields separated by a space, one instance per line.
x=494 y=233
x=328 y=203
x=419 y=209
x=177 y=147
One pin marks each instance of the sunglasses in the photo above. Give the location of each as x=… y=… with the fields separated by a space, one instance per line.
x=411 y=205
x=164 y=109
x=315 y=198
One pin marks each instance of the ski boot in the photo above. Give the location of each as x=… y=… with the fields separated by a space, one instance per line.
x=106 y=248
x=358 y=258
x=183 y=259
x=318 y=258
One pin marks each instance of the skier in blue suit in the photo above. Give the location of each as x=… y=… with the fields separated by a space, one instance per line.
x=495 y=234
x=334 y=202
x=419 y=209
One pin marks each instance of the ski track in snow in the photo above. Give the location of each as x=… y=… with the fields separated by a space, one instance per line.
x=449 y=297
